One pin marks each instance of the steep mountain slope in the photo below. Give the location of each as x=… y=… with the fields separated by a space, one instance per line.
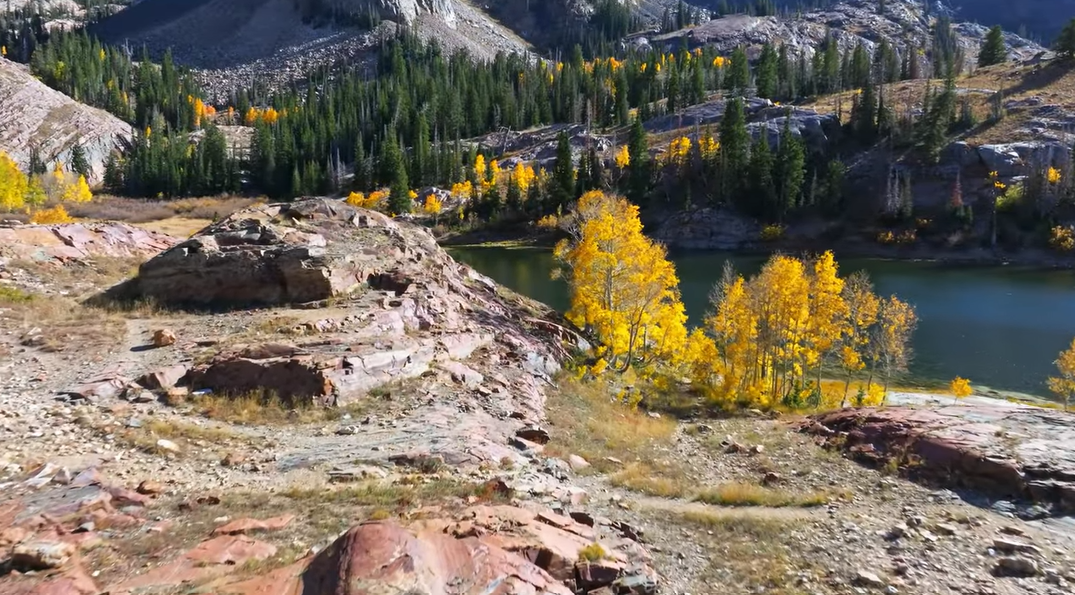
x=34 y=116
x=225 y=33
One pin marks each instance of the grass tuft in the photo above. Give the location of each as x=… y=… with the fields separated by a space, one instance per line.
x=745 y=494
x=592 y=553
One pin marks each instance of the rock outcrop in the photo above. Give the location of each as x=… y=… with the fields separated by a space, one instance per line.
x=850 y=22
x=1010 y=451
x=34 y=116
x=79 y=241
x=382 y=305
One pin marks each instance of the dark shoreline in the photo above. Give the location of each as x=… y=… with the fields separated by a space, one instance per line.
x=1030 y=258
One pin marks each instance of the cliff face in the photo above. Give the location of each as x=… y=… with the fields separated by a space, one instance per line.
x=34 y=116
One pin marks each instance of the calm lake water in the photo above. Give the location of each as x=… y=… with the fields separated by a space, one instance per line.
x=1002 y=327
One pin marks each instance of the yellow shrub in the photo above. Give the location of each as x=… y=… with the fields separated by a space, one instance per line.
x=886 y=237
x=960 y=387
x=906 y=237
x=771 y=233
x=1062 y=238
x=548 y=222
x=57 y=214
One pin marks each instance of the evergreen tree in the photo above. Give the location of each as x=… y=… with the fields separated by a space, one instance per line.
x=563 y=174
x=993 y=49
x=864 y=115
x=790 y=170
x=763 y=194
x=768 y=71
x=638 y=179
x=79 y=164
x=734 y=149
x=394 y=170
x=1065 y=42
x=739 y=76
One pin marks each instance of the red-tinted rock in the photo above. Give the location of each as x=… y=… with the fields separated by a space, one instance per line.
x=967 y=444
x=383 y=557
x=164 y=378
x=149 y=488
x=246 y=526
x=214 y=558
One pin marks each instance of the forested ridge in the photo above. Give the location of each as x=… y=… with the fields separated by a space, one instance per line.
x=399 y=124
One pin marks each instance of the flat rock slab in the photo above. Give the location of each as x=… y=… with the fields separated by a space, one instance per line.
x=1007 y=450
x=79 y=241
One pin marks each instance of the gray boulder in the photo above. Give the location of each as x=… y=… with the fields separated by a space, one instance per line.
x=1015 y=159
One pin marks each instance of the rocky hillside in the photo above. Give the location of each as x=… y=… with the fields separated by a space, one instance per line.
x=903 y=23
x=137 y=457
x=280 y=40
x=34 y=116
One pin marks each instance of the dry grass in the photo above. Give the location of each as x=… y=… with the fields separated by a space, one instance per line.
x=269 y=410
x=56 y=323
x=130 y=210
x=745 y=494
x=586 y=420
x=184 y=434
x=177 y=227
x=82 y=276
x=757 y=526
x=749 y=551
x=668 y=482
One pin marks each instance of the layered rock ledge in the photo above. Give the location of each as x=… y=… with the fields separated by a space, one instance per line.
x=1005 y=450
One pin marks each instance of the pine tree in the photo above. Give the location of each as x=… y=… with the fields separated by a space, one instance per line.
x=1065 y=42
x=563 y=174
x=993 y=49
x=734 y=149
x=790 y=170
x=739 y=77
x=638 y=179
x=768 y=72
x=79 y=164
x=763 y=194
x=395 y=171
x=363 y=180
x=864 y=115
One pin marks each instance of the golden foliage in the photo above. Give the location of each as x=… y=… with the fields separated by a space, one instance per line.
x=56 y=214
x=773 y=334
x=1052 y=175
x=374 y=200
x=960 y=387
x=679 y=150
x=1062 y=238
x=432 y=205
x=623 y=158
x=548 y=222
x=771 y=233
x=623 y=287
x=1064 y=384
x=14 y=185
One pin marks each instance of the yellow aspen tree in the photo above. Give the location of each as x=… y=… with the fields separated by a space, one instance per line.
x=781 y=298
x=896 y=321
x=432 y=207
x=960 y=388
x=13 y=184
x=1063 y=385
x=827 y=323
x=52 y=216
x=734 y=328
x=862 y=308
x=77 y=191
x=623 y=158
x=623 y=287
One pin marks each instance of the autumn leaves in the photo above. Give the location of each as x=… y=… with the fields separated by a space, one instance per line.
x=770 y=338
x=19 y=191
